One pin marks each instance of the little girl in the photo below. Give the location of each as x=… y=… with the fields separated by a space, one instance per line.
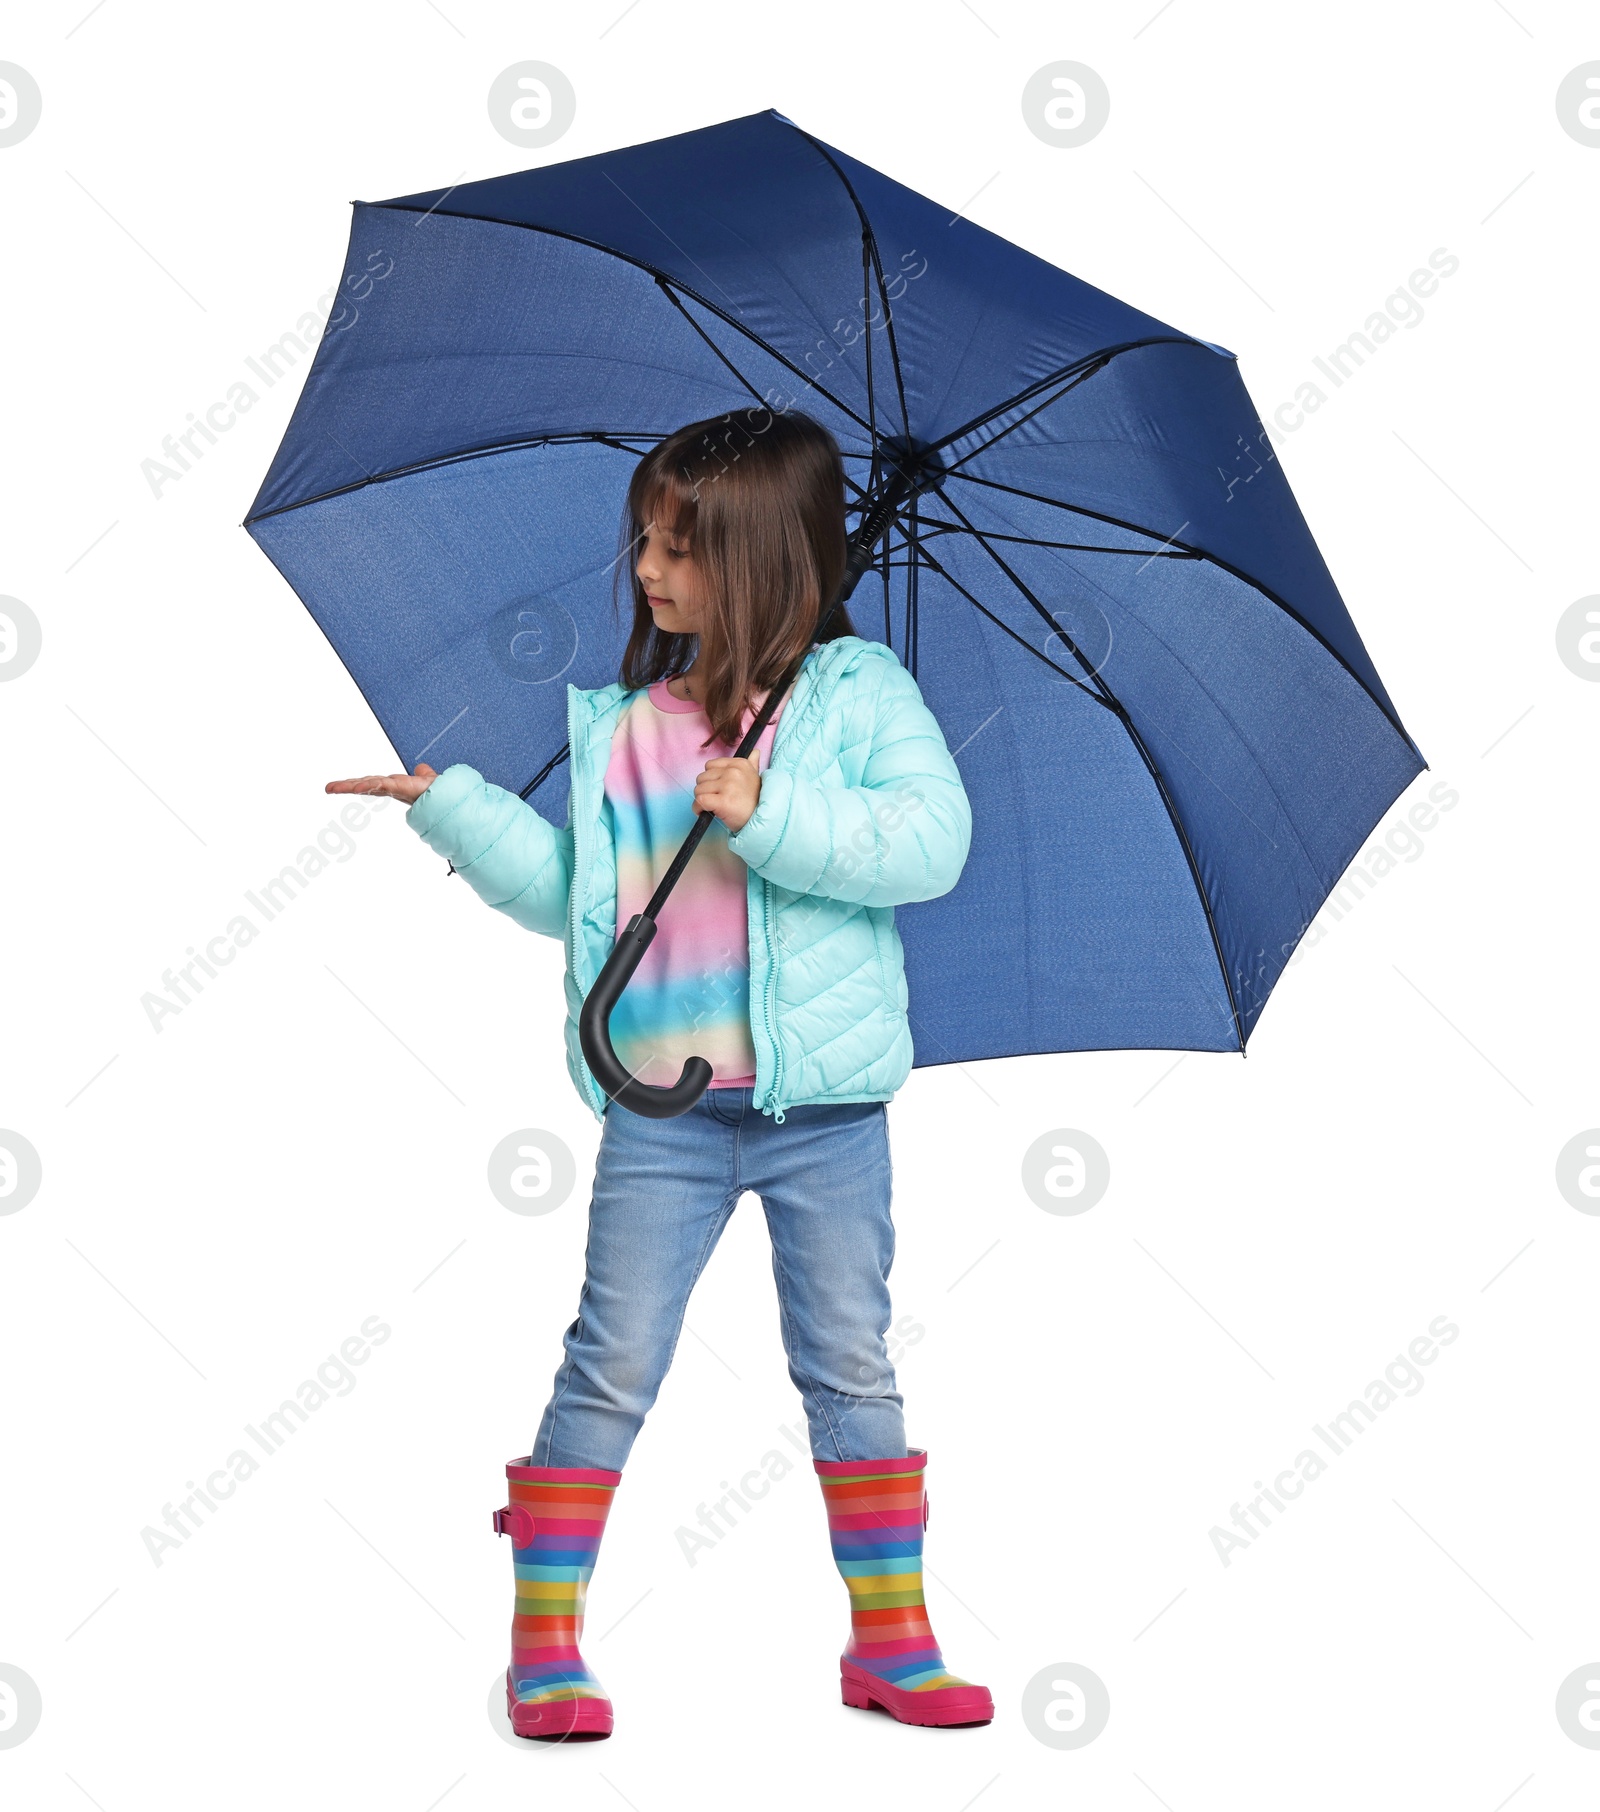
x=777 y=960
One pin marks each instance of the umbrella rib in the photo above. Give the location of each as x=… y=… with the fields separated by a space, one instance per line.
x=1194 y=872
x=616 y=438
x=526 y=226
x=547 y=770
x=1071 y=547
x=994 y=439
x=950 y=579
x=1200 y=553
x=888 y=323
x=871 y=242
x=1056 y=629
x=1097 y=360
x=1120 y=711
x=666 y=289
x=912 y=575
x=874 y=469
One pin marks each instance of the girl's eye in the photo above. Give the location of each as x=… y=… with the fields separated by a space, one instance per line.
x=678 y=553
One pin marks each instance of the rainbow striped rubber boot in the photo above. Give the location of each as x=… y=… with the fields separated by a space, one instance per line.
x=877 y=1511
x=555 y=1519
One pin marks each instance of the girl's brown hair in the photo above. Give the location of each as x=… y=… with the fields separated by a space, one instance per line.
x=758 y=499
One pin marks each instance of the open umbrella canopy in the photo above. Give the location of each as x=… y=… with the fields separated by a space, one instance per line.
x=1170 y=732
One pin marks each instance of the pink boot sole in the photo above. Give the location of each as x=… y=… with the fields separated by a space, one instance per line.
x=558 y=1720
x=942 y=1707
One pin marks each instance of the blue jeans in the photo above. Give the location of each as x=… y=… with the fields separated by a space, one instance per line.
x=663 y=1192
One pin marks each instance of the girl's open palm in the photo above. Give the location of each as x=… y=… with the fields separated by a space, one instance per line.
x=406 y=787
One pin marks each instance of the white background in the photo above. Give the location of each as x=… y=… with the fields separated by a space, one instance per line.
x=304 y=1147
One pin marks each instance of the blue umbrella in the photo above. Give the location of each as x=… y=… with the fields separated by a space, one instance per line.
x=1080 y=544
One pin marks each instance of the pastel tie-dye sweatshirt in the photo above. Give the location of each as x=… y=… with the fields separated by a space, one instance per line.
x=690 y=996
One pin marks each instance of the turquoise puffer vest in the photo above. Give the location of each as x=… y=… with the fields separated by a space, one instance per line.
x=861 y=810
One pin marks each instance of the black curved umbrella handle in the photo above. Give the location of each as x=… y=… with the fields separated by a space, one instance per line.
x=594 y=1033
x=594 y=1021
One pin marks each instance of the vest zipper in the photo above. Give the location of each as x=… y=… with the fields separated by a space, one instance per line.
x=768 y=992
x=580 y=880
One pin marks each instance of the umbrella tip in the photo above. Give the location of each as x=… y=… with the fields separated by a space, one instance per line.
x=1221 y=351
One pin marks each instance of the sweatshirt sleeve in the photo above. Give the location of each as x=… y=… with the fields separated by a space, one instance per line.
x=901 y=835
x=509 y=856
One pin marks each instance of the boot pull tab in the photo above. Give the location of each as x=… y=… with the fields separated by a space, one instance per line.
x=924 y=1509
x=517 y=1522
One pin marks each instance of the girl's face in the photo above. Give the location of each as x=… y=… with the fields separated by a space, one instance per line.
x=666 y=571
